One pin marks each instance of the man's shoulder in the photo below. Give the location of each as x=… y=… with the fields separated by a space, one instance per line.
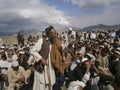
x=40 y=40
x=21 y=68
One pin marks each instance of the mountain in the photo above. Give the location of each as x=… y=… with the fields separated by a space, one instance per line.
x=23 y=32
x=97 y=27
x=6 y=34
x=89 y=28
x=102 y=26
x=28 y=32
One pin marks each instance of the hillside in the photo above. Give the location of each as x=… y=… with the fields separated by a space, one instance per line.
x=102 y=26
x=24 y=32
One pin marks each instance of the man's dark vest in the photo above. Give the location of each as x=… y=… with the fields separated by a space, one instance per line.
x=44 y=52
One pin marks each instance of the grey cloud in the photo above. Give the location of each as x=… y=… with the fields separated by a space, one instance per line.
x=93 y=3
x=109 y=16
x=27 y=14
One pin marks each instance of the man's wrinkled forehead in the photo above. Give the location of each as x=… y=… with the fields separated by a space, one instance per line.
x=53 y=30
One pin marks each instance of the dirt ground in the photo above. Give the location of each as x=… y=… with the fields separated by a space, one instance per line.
x=10 y=40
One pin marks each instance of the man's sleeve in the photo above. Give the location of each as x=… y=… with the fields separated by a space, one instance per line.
x=34 y=51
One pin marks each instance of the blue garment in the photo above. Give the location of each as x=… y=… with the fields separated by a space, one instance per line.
x=59 y=81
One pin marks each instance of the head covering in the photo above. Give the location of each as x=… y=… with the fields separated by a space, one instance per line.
x=78 y=52
x=21 y=52
x=2 y=47
x=91 y=56
x=14 y=57
x=1 y=50
x=84 y=59
x=118 y=49
x=105 y=43
x=15 y=63
x=101 y=46
x=28 y=45
x=117 y=52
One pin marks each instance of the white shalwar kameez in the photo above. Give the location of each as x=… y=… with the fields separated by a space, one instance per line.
x=41 y=79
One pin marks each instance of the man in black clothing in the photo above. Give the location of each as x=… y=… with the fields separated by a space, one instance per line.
x=115 y=69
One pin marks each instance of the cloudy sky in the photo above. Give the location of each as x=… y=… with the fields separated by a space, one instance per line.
x=38 y=14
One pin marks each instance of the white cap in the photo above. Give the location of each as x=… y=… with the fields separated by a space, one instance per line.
x=102 y=46
x=1 y=50
x=118 y=49
x=21 y=52
x=117 y=52
x=15 y=63
x=2 y=47
x=28 y=45
x=84 y=59
x=14 y=57
x=11 y=48
x=105 y=43
x=78 y=52
x=91 y=56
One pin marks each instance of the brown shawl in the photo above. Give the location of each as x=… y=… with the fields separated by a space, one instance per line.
x=56 y=56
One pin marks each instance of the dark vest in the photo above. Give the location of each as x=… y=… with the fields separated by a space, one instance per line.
x=44 y=52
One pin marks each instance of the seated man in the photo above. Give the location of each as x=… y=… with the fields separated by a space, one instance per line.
x=80 y=75
x=16 y=76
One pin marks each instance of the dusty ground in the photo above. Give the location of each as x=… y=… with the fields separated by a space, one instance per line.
x=10 y=40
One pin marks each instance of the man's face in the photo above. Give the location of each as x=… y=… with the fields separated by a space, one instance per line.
x=15 y=68
x=117 y=55
x=87 y=62
x=104 y=54
x=53 y=33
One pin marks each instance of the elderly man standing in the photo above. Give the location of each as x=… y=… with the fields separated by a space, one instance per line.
x=44 y=54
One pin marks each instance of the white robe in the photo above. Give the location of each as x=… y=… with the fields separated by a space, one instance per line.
x=4 y=64
x=40 y=79
x=74 y=85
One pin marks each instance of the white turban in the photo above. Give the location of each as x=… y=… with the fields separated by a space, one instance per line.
x=15 y=63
